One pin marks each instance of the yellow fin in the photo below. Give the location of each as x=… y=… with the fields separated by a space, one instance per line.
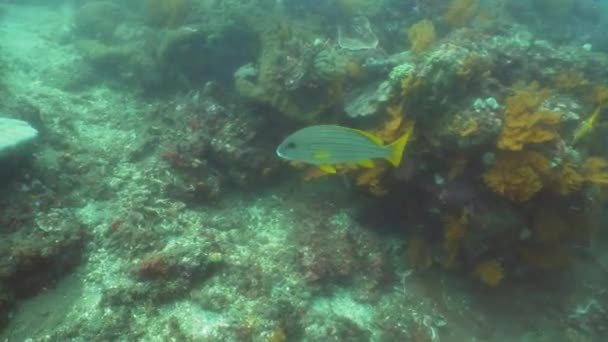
x=327 y=168
x=368 y=163
x=375 y=139
x=398 y=146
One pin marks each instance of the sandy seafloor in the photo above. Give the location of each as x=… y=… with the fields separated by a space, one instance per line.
x=255 y=234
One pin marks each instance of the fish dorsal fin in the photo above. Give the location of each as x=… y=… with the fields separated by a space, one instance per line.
x=367 y=163
x=328 y=168
x=375 y=139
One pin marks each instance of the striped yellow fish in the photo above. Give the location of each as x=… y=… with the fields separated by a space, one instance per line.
x=328 y=145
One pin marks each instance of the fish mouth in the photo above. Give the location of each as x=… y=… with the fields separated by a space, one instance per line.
x=279 y=154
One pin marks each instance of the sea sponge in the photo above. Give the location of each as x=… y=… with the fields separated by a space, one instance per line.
x=517 y=175
x=422 y=36
x=524 y=121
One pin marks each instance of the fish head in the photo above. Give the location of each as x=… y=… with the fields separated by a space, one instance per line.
x=299 y=147
x=294 y=147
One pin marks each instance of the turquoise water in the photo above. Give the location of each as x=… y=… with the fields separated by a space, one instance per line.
x=142 y=199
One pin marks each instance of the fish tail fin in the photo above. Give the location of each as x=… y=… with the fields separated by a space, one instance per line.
x=397 y=147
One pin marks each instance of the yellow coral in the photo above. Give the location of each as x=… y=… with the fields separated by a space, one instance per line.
x=567 y=180
x=595 y=170
x=471 y=65
x=570 y=80
x=455 y=228
x=457 y=167
x=546 y=256
x=517 y=175
x=599 y=97
x=419 y=253
x=392 y=128
x=460 y=12
x=410 y=84
x=554 y=8
x=371 y=179
x=358 y=7
x=490 y=272
x=524 y=121
x=421 y=35
x=278 y=335
x=462 y=125
x=549 y=227
x=166 y=12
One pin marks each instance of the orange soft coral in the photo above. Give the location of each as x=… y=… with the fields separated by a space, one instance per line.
x=422 y=36
x=517 y=175
x=599 y=97
x=371 y=179
x=166 y=12
x=549 y=227
x=570 y=80
x=595 y=170
x=490 y=272
x=566 y=180
x=455 y=228
x=460 y=12
x=524 y=121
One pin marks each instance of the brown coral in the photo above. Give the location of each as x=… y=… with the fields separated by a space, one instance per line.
x=517 y=175
x=524 y=121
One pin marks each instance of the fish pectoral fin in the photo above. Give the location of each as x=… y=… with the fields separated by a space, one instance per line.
x=327 y=168
x=368 y=163
x=320 y=155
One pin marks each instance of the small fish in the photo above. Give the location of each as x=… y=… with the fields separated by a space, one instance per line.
x=328 y=145
x=586 y=126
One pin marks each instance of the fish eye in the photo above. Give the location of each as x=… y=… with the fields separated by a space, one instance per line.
x=290 y=145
